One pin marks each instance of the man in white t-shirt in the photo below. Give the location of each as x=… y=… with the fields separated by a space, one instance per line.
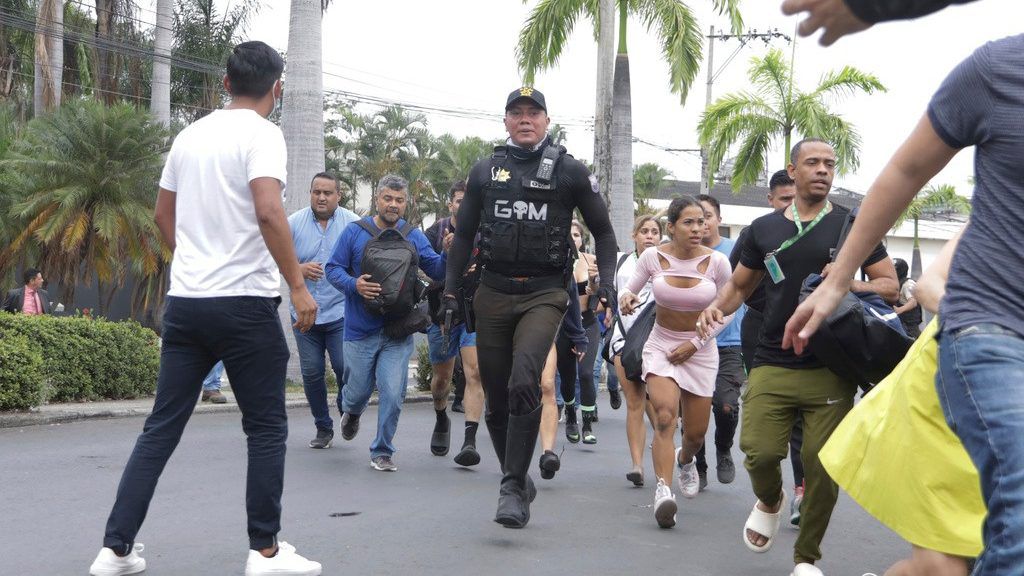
x=220 y=210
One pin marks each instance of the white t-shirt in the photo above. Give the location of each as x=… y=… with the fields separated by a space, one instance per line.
x=622 y=278
x=219 y=249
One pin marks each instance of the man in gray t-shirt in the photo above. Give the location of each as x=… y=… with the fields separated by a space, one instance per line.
x=981 y=353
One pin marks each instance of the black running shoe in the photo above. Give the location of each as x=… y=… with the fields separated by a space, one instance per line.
x=615 y=397
x=349 y=425
x=323 y=439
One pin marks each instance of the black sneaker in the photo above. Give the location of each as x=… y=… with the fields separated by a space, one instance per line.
x=322 y=440
x=703 y=475
x=549 y=464
x=616 y=399
x=726 y=468
x=588 y=431
x=572 y=428
x=441 y=438
x=458 y=407
x=349 y=425
x=384 y=464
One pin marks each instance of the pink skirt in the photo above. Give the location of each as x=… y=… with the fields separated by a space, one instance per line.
x=696 y=375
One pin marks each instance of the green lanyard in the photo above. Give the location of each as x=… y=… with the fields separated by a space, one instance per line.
x=800 y=230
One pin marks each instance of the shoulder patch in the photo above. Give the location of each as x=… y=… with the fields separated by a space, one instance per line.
x=593 y=183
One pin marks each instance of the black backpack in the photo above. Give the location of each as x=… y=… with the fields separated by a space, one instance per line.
x=392 y=260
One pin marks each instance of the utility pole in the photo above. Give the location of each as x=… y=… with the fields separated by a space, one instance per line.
x=766 y=37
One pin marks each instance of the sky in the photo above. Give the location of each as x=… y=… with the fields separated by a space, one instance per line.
x=460 y=54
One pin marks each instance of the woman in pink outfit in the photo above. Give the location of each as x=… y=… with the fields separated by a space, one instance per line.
x=677 y=364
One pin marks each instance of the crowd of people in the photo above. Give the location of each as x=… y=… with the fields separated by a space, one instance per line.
x=692 y=325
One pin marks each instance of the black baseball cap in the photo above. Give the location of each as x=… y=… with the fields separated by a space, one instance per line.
x=526 y=93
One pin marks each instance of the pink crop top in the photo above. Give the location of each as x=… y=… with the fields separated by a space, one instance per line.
x=692 y=299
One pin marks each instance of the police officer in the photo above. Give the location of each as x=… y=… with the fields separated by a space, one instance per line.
x=522 y=200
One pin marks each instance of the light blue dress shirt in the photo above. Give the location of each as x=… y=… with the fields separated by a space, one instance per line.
x=316 y=244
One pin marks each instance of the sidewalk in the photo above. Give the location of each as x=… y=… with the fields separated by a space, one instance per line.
x=57 y=413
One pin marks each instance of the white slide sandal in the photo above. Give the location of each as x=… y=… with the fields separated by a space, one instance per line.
x=764 y=523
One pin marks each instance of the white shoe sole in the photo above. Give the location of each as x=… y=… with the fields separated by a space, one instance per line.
x=125 y=571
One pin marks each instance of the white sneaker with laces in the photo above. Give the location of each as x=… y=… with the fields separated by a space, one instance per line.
x=664 y=505
x=109 y=564
x=285 y=563
x=689 y=478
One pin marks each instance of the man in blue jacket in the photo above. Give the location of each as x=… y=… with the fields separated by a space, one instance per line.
x=370 y=355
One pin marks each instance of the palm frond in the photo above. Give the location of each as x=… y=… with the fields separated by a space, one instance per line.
x=680 y=38
x=732 y=8
x=847 y=82
x=545 y=34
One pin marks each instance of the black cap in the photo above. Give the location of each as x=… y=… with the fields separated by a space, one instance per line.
x=526 y=93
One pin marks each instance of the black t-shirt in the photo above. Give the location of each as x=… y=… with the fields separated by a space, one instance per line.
x=756 y=300
x=809 y=255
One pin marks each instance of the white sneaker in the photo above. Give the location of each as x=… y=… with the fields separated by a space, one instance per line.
x=689 y=478
x=109 y=564
x=285 y=563
x=664 y=505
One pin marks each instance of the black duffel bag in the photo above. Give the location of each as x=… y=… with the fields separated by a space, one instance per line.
x=863 y=339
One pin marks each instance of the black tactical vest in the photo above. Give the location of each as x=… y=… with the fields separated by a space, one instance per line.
x=526 y=222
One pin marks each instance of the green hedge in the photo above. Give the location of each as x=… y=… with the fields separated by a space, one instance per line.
x=81 y=359
x=21 y=372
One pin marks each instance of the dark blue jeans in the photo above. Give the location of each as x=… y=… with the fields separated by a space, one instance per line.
x=981 y=389
x=245 y=332
x=319 y=340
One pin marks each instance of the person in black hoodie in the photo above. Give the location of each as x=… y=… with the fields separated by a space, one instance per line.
x=521 y=201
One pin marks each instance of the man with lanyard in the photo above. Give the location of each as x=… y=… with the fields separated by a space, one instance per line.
x=460 y=347
x=781 y=190
x=726 y=402
x=521 y=200
x=782 y=382
x=315 y=230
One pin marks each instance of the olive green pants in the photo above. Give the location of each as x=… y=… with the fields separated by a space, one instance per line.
x=774 y=399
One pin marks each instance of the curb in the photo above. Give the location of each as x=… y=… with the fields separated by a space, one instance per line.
x=75 y=412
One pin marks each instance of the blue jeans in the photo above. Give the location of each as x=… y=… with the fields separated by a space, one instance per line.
x=320 y=339
x=212 y=381
x=386 y=361
x=244 y=331
x=981 y=387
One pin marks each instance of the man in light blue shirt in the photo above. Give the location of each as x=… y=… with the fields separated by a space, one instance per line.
x=315 y=230
x=725 y=404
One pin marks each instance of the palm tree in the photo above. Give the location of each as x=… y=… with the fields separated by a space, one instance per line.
x=49 y=56
x=206 y=35
x=933 y=200
x=160 y=99
x=302 y=119
x=546 y=32
x=777 y=109
x=648 y=180
x=83 y=184
x=16 y=58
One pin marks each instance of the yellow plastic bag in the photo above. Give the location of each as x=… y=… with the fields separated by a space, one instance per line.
x=896 y=456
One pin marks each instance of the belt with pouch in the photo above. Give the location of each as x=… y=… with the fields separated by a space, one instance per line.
x=508 y=285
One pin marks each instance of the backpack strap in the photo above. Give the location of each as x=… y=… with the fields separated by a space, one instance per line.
x=622 y=260
x=406 y=229
x=365 y=225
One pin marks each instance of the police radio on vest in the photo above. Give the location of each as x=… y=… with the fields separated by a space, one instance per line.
x=521 y=209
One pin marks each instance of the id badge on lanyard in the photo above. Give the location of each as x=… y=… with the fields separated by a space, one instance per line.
x=771 y=264
x=771 y=261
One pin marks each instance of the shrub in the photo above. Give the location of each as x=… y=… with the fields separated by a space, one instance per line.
x=423 y=369
x=85 y=359
x=21 y=375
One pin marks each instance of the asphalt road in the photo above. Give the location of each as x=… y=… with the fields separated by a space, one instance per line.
x=431 y=517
